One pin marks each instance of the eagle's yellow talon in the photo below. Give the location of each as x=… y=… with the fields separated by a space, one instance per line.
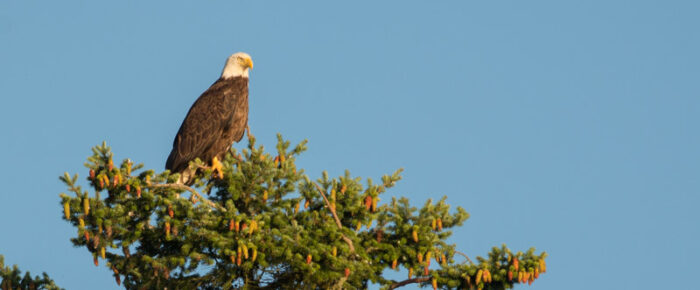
x=217 y=168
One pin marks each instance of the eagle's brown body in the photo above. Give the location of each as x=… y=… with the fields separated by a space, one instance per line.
x=215 y=121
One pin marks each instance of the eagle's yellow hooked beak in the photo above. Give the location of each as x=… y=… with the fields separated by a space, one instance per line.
x=248 y=62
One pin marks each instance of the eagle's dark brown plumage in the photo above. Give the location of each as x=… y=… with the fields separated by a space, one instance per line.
x=216 y=120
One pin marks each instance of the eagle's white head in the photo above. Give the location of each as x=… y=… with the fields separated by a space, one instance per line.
x=237 y=65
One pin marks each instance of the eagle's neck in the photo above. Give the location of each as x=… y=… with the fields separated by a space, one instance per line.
x=232 y=70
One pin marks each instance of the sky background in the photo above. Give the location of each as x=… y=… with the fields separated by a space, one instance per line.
x=570 y=126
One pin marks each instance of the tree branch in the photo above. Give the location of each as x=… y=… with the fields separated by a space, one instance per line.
x=328 y=205
x=409 y=281
x=335 y=216
x=340 y=283
x=190 y=189
x=465 y=255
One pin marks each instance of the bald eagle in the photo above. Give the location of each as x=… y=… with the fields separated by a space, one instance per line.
x=217 y=119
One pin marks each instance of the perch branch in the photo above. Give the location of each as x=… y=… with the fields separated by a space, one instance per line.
x=190 y=189
x=409 y=281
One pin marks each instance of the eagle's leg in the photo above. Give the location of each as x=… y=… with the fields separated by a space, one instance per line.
x=217 y=168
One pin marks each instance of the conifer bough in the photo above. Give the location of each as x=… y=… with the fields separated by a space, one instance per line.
x=12 y=278
x=250 y=230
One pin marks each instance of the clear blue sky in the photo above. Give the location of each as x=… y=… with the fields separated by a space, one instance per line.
x=571 y=126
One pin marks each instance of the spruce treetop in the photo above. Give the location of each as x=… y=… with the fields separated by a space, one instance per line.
x=266 y=224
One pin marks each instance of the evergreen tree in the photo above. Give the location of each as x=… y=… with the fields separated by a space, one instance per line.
x=12 y=278
x=266 y=224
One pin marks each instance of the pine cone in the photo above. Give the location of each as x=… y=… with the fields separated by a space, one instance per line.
x=66 y=210
x=86 y=206
x=368 y=202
